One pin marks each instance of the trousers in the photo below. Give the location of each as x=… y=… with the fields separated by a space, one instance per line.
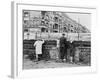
x=63 y=53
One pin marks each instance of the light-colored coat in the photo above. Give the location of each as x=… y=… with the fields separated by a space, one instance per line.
x=38 y=47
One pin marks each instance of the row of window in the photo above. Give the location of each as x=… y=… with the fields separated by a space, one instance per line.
x=45 y=21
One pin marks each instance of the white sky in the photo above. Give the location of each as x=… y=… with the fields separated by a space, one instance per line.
x=85 y=19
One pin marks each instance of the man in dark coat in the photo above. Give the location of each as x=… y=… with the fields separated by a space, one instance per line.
x=63 y=49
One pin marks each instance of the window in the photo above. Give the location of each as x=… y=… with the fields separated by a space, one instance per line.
x=26 y=14
x=42 y=22
x=68 y=25
x=25 y=21
x=64 y=28
x=25 y=30
x=43 y=12
x=71 y=25
x=56 y=19
x=71 y=30
x=55 y=31
x=43 y=29
x=55 y=26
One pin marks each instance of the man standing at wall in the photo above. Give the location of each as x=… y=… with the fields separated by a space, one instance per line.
x=63 y=48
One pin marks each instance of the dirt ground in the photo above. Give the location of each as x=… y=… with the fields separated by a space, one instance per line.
x=29 y=64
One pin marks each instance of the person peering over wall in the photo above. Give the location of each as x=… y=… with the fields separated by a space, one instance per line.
x=38 y=48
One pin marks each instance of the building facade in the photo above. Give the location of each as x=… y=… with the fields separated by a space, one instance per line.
x=51 y=22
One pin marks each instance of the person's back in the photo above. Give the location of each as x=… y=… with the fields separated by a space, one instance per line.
x=38 y=45
x=62 y=42
x=62 y=47
x=38 y=48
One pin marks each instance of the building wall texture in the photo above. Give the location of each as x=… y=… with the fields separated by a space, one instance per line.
x=51 y=21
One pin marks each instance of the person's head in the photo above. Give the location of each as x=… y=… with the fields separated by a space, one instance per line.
x=39 y=39
x=63 y=35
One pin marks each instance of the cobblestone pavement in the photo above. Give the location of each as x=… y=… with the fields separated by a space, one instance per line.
x=29 y=64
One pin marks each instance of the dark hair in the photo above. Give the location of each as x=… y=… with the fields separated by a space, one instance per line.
x=63 y=34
